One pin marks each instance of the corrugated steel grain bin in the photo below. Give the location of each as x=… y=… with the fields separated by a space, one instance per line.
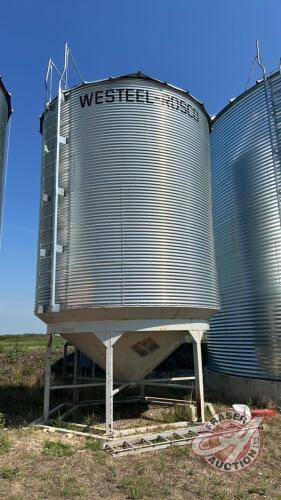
x=135 y=233
x=245 y=336
x=5 y=112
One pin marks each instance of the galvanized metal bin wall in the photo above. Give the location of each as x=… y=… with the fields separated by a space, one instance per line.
x=245 y=336
x=5 y=110
x=135 y=223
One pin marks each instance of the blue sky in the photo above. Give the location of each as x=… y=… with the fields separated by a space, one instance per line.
x=204 y=46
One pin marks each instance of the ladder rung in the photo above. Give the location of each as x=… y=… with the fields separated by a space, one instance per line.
x=62 y=140
x=127 y=445
x=164 y=438
x=45 y=197
x=178 y=436
x=59 y=248
x=143 y=440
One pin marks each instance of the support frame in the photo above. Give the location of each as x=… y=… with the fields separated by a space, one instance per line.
x=109 y=333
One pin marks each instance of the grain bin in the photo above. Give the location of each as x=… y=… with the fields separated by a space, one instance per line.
x=126 y=254
x=5 y=112
x=245 y=336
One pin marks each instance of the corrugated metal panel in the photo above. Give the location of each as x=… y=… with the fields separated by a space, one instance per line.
x=245 y=336
x=135 y=221
x=4 y=115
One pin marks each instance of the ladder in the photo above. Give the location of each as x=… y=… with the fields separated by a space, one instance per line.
x=150 y=442
x=59 y=142
x=272 y=104
x=162 y=440
x=273 y=116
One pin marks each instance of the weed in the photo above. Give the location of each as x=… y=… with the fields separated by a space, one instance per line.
x=69 y=487
x=27 y=371
x=76 y=416
x=179 y=451
x=162 y=465
x=2 y=421
x=218 y=494
x=4 y=372
x=15 y=352
x=16 y=497
x=91 y=420
x=136 y=487
x=111 y=474
x=56 y=449
x=239 y=495
x=57 y=422
x=4 y=444
x=24 y=432
x=93 y=444
x=249 y=401
x=257 y=490
x=141 y=468
x=165 y=492
x=100 y=457
x=265 y=403
x=140 y=487
x=8 y=473
x=179 y=413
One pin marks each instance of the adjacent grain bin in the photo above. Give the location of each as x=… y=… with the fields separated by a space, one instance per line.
x=5 y=112
x=126 y=254
x=245 y=336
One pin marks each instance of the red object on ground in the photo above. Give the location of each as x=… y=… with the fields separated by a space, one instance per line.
x=263 y=412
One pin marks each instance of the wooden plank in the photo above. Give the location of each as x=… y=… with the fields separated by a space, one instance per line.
x=68 y=431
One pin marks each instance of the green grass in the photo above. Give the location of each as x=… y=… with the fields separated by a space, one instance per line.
x=22 y=376
x=56 y=449
x=92 y=444
x=28 y=341
x=27 y=371
x=4 y=444
x=178 y=413
x=2 y=421
x=257 y=490
x=143 y=487
x=15 y=352
x=8 y=473
x=69 y=487
x=136 y=487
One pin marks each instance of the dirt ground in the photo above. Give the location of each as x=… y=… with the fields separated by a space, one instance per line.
x=38 y=465
x=74 y=468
